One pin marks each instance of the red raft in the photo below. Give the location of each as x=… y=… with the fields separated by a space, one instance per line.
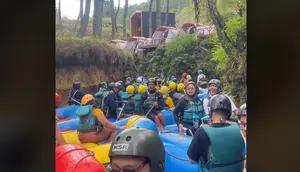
x=75 y=158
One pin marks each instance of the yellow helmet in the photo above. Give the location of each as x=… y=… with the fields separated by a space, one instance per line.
x=86 y=98
x=164 y=90
x=130 y=89
x=172 y=86
x=180 y=87
x=188 y=77
x=142 y=89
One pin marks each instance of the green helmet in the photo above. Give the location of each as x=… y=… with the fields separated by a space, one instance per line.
x=139 y=142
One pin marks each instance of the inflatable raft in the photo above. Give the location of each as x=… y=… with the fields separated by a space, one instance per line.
x=70 y=121
x=176 y=145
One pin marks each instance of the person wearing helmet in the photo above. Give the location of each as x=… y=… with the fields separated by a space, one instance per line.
x=59 y=139
x=215 y=86
x=113 y=101
x=172 y=86
x=152 y=103
x=137 y=97
x=183 y=78
x=189 y=110
x=132 y=151
x=93 y=126
x=201 y=76
x=218 y=146
x=164 y=90
x=111 y=86
x=101 y=94
x=173 y=79
x=75 y=94
x=243 y=126
x=203 y=91
x=179 y=93
x=159 y=84
x=128 y=100
x=129 y=79
x=139 y=80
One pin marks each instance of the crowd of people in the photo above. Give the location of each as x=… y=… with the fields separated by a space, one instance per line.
x=201 y=109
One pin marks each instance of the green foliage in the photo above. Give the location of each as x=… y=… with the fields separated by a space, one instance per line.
x=183 y=54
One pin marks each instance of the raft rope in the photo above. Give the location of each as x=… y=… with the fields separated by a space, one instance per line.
x=90 y=154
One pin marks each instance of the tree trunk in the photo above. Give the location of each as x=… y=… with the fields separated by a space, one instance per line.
x=124 y=19
x=150 y=18
x=113 y=24
x=167 y=13
x=197 y=10
x=117 y=12
x=79 y=16
x=59 y=16
x=85 y=19
x=158 y=13
x=100 y=18
x=219 y=25
x=97 y=17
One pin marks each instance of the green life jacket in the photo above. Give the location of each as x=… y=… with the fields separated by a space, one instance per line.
x=137 y=99
x=129 y=107
x=151 y=98
x=196 y=108
x=226 y=152
x=87 y=120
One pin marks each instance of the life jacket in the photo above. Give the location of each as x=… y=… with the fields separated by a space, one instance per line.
x=195 y=108
x=137 y=99
x=72 y=100
x=129 y=107
x=203 y=93
x=102 y=104
x=87 y=120
x=151 y=98
x=226 y=152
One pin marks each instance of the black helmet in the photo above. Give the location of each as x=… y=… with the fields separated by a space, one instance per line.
x=152 y=80
x=111 y=85
x=158 y=80
x=243 y=110
x=218 y=83
x=103 y=84
x=139 y=142
x=117 y=85
x=220 y=102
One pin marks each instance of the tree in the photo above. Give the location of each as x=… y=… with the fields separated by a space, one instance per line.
x=150 y=18
x=158 y=13
x=114 y=18
x=79 y=16
x=124 y=19
x=167 y=12
x=59 y=16
x=97 y=17
x=197 y=10
x=85 y=19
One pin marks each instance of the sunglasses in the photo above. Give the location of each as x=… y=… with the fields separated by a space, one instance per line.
x=140 y=167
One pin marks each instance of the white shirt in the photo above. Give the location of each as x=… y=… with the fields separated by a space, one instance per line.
x=205 y=105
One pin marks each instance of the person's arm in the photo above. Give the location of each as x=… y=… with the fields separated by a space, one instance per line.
x=199 y=146
x=104 y=122
x=179 y=110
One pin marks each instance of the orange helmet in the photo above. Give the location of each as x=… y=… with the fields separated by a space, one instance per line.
x=57 y=98
x=86 y=98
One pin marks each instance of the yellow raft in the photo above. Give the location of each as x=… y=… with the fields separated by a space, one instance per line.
x=101 y=150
